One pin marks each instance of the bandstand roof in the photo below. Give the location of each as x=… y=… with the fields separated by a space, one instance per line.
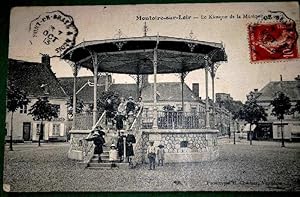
x=135 y=55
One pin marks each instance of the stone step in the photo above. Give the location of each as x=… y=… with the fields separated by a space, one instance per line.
x=107 y=166
x=103 y=160
x=100 y=165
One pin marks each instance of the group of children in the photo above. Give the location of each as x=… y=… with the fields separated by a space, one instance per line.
x=154 y=153
x=126 y=110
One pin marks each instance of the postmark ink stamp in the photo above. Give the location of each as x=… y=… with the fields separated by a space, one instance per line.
x=53 y=33
x=273 y=37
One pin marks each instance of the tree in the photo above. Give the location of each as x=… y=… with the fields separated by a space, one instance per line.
x=42 y=110
x=252 y=113
x=16 y=98
x=296 y=108
x=79 y=107
x=281 y=106
x=101 y=102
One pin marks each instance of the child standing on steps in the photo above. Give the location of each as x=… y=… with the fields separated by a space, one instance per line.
x=113 y=155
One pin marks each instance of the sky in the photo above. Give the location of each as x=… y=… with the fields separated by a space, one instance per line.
x=238 y=76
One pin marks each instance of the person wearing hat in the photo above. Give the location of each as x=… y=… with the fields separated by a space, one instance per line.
x=130 y=105
x=120 y=145
x=151 y=153
x=130 y=140
x=113 y=155
x=97 y=137
x=160 y=155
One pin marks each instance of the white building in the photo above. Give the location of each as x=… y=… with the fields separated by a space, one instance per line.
x=30 y=76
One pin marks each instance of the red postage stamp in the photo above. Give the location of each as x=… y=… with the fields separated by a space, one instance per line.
x=274 y=40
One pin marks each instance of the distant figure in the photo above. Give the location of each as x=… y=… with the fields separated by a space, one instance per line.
x=109 y=107
x=130 y=105
x=120 y=145
x=122 y=107
x=139 y=104
x=119 y=121
x=130 y=119
x=160 y=155
x=113 y=155
x=151 y=153
x=130 y=139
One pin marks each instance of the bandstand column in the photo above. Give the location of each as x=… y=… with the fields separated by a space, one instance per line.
x=75 y=73
x=182 y=83
x=106 y=82
x=213 y=94
x=206 y=100
x=95 y=65
x=154 y=89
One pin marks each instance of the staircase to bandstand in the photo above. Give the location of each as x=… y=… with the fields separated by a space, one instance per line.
x=184 y=135
x=83 y=150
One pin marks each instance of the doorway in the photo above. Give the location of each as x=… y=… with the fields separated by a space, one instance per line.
x=26 y=131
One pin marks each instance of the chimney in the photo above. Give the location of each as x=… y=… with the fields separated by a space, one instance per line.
x=297 y=78
x=255 y=90
x=195 y=89
x=46 y=60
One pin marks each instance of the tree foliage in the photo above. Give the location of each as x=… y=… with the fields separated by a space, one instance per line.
x=43 y=110
x=252 y=113
x=296 y=108
x=281 y=105
x=79 y=106
x=233 y=107
x=16 y=98
x=101 y=102
x=168 y=108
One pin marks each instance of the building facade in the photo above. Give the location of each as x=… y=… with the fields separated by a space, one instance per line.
x=37 y=80
x=291 y=122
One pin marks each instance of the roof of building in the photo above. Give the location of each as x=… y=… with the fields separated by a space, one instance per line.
x=125 y=90
x=290 y=88
x=169 y=91
x=166 y=91
x=30 y=76
x=84 y=87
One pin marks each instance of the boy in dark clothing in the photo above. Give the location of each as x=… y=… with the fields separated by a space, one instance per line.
x=130 y=106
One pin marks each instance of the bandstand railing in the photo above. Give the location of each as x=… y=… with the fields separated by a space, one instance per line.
x=175 y=120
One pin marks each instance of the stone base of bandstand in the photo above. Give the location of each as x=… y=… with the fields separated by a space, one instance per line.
x=184 y=145
x=76 y=144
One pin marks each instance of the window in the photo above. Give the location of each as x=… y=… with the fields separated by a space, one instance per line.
x=279 y=130
x=56 y=129
x=57 y=108
x=183 y=144
x=23 y=109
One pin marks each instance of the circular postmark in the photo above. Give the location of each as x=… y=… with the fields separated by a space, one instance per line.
x=53 y=33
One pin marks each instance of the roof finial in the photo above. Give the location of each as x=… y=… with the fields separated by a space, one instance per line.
x=145 y=29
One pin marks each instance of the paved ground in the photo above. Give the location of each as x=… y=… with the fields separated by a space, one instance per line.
x=265 y=166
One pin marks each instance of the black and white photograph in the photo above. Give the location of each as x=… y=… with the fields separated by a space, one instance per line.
x=153 y=97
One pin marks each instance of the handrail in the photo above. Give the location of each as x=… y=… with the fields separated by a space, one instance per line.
x=138 y=148
x=99 y=120
x=136 y=117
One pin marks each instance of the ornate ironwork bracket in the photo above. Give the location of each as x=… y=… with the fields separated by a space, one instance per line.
x=191 y=45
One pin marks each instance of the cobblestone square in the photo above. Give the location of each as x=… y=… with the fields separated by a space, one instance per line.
x=264 y=166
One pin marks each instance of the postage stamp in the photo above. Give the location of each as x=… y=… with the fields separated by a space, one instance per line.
x=274 y=37
x=54 y=32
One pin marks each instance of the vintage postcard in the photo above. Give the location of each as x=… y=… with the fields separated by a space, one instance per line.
x=166 y=97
